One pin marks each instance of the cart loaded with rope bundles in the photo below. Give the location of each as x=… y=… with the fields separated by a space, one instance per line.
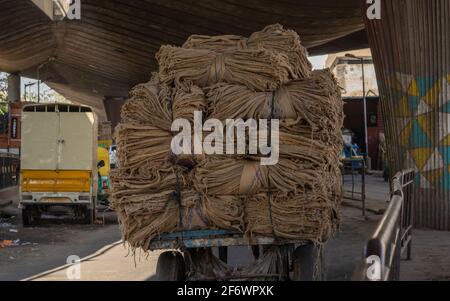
x=203 y=255
x=203 y=203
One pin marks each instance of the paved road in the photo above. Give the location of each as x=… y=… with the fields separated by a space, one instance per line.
x=52 y=244
x=430 y=257
x=57 y=242
x=48 y=247
x=116 y=263
x=111 y=263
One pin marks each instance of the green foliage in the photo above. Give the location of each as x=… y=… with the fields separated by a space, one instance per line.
x=3 y=87
x=3 y=108
x=48 y=96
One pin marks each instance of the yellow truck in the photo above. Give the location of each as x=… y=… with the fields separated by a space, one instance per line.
x=58 y=161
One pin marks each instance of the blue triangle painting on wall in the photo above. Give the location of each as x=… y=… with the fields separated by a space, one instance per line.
x=446 y=107
x=414 y=102
x=419 y=139
x=424 y=84
x=445 y=180
x=445 y=154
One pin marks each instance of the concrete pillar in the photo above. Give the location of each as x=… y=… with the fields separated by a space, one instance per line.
x=113 y=105
x=411 y=51
x=14 y=88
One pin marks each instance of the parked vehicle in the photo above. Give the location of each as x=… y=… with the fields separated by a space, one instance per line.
x=113 y=156
x=104 y=169
x=58 y=161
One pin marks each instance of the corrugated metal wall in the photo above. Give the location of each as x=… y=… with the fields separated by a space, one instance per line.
x=411 y=50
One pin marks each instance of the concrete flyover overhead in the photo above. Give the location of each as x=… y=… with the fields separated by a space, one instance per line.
x=112 y=47
x=97 y=59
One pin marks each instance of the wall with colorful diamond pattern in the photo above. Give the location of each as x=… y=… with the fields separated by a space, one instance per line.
x=411 y=50
x=423 y=110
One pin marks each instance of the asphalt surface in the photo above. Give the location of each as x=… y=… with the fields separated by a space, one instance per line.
x=46 y=247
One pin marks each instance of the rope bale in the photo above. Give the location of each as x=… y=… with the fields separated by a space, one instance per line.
x=273 y=37
x=221 y=175
x=260 y=70
x=148 y=179
x=228 y=176
x=142 y=217
x=145 y=214
x=224 y=211
x=140 y=144
x=306 y=217
x=265 y=76
x=150 y=105
x=314 y=101
x=144 y=136
x=187 y=98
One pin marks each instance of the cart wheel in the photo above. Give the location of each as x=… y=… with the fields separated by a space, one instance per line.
x=256 y=250
x=27 y=217
x=223 y=254
x=307 y=264
x=170 y=267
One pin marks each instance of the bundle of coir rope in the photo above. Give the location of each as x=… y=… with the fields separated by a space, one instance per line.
x=265 y=76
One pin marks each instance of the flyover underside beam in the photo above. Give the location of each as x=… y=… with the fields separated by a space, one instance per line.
x=411 y=49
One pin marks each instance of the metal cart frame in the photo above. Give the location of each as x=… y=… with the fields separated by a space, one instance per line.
x=302 y=257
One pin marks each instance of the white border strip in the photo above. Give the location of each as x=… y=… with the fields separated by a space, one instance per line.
x=96 y=254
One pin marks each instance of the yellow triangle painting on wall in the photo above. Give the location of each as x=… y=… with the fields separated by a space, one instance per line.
x=432 y=96
x=413 y=90
x=446 y=141
x=406 y=134
x=421 y=156
x=403 y=108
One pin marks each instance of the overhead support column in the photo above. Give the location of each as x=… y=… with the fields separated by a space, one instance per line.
x=411 y=52
x=13 y=88
x=113 y=106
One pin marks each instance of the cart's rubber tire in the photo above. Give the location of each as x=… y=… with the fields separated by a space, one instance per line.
x=171 y=267
x=223 y=254
x=256 y=252
x=27 y=217
x=307 y=263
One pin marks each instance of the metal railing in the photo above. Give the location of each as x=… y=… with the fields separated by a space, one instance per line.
x=9 y=171
x=392 y=237
x=353 y=165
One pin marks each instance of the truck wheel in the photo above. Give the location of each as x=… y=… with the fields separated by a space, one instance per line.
x=27 y=217
x=171 y=267
x=307 y=263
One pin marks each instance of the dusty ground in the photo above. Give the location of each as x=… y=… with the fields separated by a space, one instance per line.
x=48 y=246
x=341 y=255
x=431 y=249
x=344 y=251
x=430 y=257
